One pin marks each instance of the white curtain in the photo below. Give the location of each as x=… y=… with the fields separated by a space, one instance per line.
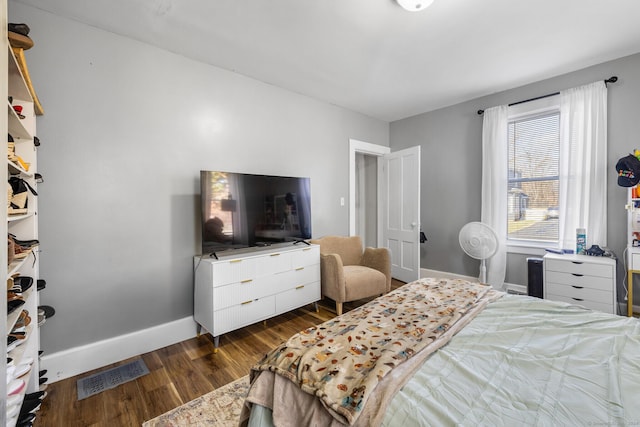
x=583 y=164
x=494 y=187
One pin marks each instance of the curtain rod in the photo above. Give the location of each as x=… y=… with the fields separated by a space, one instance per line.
x=612 y=79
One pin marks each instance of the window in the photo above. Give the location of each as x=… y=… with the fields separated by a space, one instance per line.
x=533 y=177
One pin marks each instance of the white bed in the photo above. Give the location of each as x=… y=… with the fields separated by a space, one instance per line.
x=521 y=361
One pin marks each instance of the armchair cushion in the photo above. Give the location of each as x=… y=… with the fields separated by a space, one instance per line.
x=363 y=282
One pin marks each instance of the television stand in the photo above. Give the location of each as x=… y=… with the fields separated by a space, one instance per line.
x=239 y=289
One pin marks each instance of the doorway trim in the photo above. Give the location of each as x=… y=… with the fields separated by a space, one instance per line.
x=356 y=146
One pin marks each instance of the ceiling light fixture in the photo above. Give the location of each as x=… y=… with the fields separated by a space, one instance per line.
x=414 y=5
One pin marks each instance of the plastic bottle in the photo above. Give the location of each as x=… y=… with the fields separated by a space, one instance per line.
x=581 y=240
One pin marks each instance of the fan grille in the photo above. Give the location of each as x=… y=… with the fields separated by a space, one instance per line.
x=478 y=240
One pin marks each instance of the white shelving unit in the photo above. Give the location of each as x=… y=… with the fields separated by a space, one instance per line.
x=633 y=243
x=24 y=227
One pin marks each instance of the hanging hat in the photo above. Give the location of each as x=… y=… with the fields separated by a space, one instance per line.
x=628 y=171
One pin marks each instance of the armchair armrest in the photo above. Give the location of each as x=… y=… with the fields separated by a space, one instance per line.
x=332 y=277
x=378 y=259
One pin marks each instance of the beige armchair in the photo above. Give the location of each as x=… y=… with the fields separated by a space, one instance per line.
x=348 y=273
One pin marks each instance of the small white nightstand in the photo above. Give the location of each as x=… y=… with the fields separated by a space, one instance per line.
x=586 y=280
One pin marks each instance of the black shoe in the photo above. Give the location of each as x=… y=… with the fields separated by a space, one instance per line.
x=29 y=406
x=14 y=305
x=42 y=284
x=36 y=395
x=46 y=310
x=24 y=282
x=26 y=244
x=26 y=420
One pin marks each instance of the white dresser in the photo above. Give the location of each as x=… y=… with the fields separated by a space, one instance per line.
x=237 y=290
x=589 y=281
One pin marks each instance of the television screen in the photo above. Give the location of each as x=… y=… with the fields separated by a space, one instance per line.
x=242 y=210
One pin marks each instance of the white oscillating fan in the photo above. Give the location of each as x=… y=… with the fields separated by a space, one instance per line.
x=479 y=241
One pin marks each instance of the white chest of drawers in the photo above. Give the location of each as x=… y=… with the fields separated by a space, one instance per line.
x=238 y=290
x=581 y=279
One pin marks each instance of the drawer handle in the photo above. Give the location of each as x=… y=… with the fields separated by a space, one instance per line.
x=246 y=302
x=577 y=275
x=300 y=287
x=577 y=299
x=299 y=268
x=306 y=249
x=247 y=281
x=577 y=287
x=235 y=260
x=275 y=254
x=577 y=262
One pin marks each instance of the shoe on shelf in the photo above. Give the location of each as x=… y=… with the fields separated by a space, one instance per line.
x=29 y=406
x=15 y=387
x=23 y=321
x=41 y=284
x=26 y=420
x=14 y=305
x=46 y=310
x=25 y=282
x=12 y=296
x=40 y=395
x=22 y=370
x=26 y=244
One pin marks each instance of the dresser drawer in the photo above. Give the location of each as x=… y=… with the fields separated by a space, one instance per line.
x=298 y=296
x=604 y=305
x=581 y=293
x=307 y=256
x=249 y=312
x=579 y=280
x=235 y=270
x=635 y=261
x=578 y=267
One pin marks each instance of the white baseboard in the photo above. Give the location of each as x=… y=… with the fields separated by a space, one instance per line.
x=77 y=360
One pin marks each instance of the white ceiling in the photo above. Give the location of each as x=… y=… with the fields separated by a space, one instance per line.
x=371 y=56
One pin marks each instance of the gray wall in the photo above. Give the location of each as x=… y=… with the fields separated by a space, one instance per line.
x=451 y=163
x=126 y=130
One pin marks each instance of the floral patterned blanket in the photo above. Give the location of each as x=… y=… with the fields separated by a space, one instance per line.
x=342 y=360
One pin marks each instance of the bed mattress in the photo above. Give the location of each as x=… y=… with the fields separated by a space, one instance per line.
x=522 y=361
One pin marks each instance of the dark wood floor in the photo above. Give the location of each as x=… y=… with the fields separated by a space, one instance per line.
x=178 y=374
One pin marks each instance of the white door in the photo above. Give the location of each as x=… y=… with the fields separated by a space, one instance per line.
x=399 y=179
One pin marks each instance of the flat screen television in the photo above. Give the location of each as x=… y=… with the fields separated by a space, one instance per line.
x=241 y=210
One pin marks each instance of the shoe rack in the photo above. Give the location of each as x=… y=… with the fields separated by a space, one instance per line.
x=21 y=373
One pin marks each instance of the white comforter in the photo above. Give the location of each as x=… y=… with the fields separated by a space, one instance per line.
x=528 y=362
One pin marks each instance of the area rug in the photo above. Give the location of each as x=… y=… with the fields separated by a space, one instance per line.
x=221 y=407
x=105 y=380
